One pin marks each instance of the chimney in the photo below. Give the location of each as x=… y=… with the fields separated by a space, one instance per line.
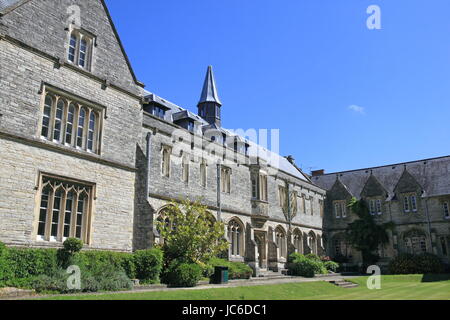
x=317 y=173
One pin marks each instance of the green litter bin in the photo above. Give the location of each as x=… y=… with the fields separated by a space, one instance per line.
x=220 y=275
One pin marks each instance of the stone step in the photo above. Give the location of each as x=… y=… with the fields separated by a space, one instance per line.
x=344 y=284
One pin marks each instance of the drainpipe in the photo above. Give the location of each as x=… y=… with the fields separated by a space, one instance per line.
x=219 y=204
x=288 y=194
x=429 y=224
x=148 y=155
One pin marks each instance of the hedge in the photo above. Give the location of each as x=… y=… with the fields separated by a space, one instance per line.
x=425 y=263
x=44 y=269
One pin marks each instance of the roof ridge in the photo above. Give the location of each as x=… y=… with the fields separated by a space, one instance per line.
x=384 y=166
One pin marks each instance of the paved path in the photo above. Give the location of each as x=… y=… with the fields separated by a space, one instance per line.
x=231 y=284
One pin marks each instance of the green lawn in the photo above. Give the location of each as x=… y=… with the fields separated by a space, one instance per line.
x=393 y=288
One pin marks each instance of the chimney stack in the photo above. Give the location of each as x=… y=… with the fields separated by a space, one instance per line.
x=317 y=173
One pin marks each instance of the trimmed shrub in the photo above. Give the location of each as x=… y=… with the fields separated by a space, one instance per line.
x=183 y=275
x=99 y=260
x=148 y=265
x=416 y=264
x=73 y=245
x=331 y=266
x=5 y=271
x=306 y=267
x=236 y=270
x=106 y=280
x=28 y=263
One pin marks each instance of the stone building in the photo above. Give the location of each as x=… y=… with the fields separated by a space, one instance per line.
x=415 y=196
x=86 y=152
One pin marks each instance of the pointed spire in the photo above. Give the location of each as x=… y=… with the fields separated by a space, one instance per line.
x=209 y=92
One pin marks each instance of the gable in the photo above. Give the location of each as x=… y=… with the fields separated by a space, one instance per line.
x=24 y=21
x=407 y=183
x=339 y=191
x=373 y=188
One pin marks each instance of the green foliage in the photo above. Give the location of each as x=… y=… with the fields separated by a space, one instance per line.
x=108 y=279
x=294 y=256
x=305 y=267
x=196 y=239
x=148 y=265
x=5 y=268
x=73 y=245
x=364 y=234
x=313 y=256
x=99 y=260
x=331 y=266
x=416 y=264
x=183 y=274
x=27 y=263
x=45 y=269
x=236 y=270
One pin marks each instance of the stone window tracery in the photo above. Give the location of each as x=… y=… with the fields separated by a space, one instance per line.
x=64 y=210
x=71 y=123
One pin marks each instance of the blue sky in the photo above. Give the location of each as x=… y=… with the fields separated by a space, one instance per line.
x=343 y=96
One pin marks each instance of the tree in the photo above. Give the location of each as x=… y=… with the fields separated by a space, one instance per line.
x=190 y=233
x=364 y=234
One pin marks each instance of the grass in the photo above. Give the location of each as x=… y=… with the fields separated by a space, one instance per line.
x=409 y=287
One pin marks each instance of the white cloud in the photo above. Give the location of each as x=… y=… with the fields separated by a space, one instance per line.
x=356 y=108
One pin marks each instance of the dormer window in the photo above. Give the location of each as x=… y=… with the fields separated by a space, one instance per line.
x=80 y=49
x=190 y=126
x=156 y=110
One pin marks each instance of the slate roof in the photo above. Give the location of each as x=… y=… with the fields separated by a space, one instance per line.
x=433 y=175
x=275 y=160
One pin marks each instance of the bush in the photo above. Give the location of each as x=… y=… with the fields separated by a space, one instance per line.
x=331 y=266
x=183 y=275
x=416 y=264
x=294 y=256
x=5 y=270
x=99 y=260
x=45 y=269
x=314 y=257
x=148 y=265
x=306 y=267
x=106 y=280
x=73 y=245
x=236 y=270
x=28 y=263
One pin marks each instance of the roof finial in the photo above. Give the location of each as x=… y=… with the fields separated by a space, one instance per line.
x=209 y=92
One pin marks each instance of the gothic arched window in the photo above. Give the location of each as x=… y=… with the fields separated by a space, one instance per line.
x=65 y=210
x=236 y=238
x=280 y=240
x=415 y=242
x=298 y=241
